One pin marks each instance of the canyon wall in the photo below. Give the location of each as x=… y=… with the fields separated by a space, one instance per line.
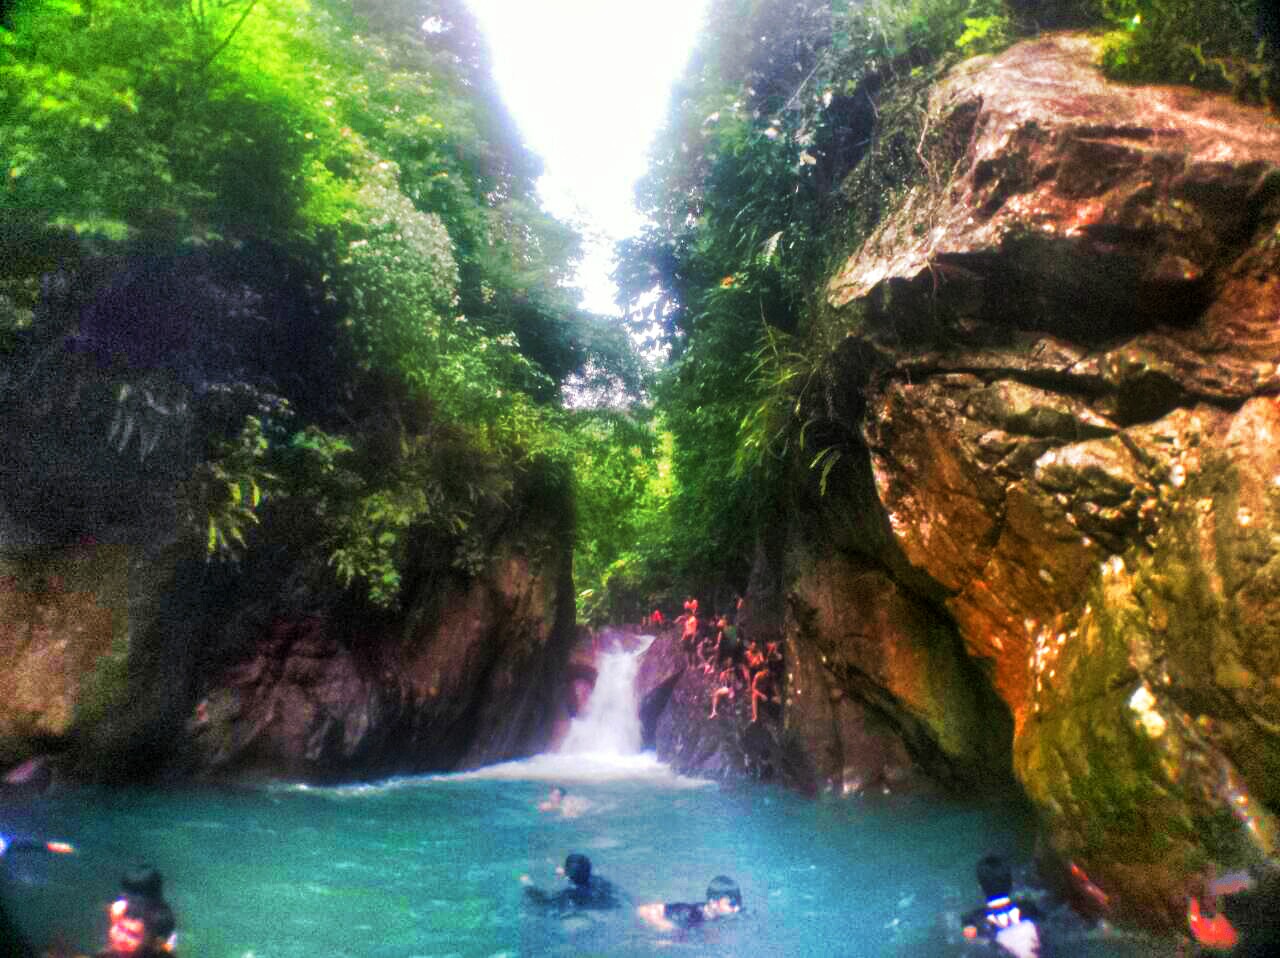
x=136 y=651
x=1058 y=403
x=1043 y=547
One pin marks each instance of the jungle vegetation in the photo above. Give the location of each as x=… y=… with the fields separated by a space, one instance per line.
x=356 y=318
x=793 y=127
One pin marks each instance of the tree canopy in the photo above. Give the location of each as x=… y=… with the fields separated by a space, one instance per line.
x=357 y=153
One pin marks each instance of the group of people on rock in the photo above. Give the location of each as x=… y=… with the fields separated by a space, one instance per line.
x=716 y=645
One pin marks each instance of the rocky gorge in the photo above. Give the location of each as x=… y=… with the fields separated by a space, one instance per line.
x=1045 y=557
x=1046 y=550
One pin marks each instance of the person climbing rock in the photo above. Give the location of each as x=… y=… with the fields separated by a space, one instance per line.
x=586 y=891
x=729 y=686
x=724 y=898
x=728 y=648
x=1011 y=925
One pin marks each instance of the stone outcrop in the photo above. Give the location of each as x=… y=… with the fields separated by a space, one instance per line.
x=886 y=675
x=130 y=654
x=675 y=703
x=1058 y=411
x=473 y=674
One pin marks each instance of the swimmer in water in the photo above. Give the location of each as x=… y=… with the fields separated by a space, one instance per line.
x=554 y=801
x=1237 y=913
x=559 y=800
x=586 y=892
x=142 y=923
x=723 y=898
x=1010 y=924
x=12 y=944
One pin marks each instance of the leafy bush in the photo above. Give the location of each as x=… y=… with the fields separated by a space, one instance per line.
x=1209 y=44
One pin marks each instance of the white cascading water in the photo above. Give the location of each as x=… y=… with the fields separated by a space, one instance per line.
x=603 y=743
x=610 y=723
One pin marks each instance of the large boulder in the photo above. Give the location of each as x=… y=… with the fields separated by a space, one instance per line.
x=1059 y=392
x=889 y=675
x=473 y=673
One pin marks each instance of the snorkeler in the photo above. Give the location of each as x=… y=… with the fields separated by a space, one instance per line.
x=142 y=923
x=1010 y=924
x=723 y=898
x=585 y=892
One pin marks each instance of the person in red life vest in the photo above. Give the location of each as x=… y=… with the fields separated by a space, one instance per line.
x=656 y=619
x=1010 y=925
x=1237 y=913
x=142 y=923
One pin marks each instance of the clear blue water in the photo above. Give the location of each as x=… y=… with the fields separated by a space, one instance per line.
x=431 y=866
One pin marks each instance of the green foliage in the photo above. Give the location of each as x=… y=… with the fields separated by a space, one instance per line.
x=379 y=158
x=622 y=490
x=225 y=491
x=779 y=102
x=983 y=33
x=1209 y=44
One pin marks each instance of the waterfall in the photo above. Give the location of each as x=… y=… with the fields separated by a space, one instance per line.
x=610 y=723
x=603 y=742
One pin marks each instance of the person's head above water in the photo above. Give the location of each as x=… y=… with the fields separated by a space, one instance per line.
x=995 y=877
x=144 y=882
x=723 y=895
x=577 y=868
x=138 y=923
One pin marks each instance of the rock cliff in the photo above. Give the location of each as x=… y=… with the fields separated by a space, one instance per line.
x=132 y=654
x=1054 y=527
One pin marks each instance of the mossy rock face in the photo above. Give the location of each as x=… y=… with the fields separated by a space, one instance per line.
x=885 y=649
x=64 y=641
x=1154 y=744
x=1059 y=384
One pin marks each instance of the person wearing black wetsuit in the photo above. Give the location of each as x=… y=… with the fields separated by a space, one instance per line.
x=724 y=897
x=1011 y=925
x=586 y=892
